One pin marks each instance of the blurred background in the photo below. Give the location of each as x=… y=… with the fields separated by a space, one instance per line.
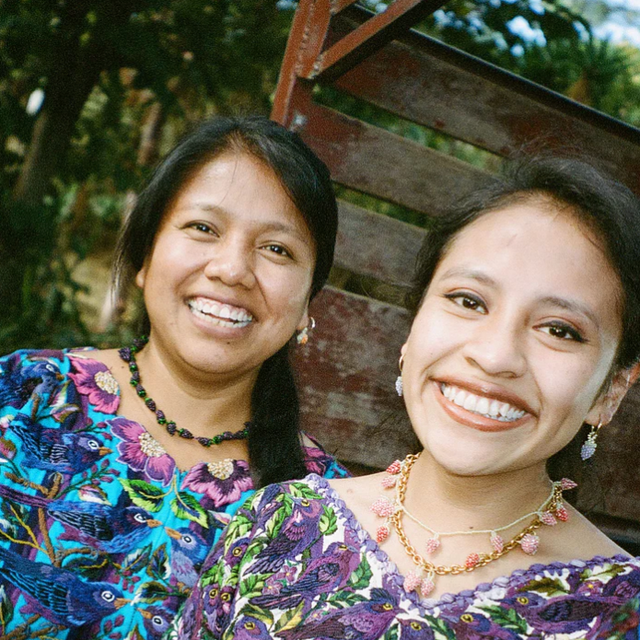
x=92 y=93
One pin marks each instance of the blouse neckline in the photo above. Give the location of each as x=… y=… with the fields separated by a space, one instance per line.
x=446 y=599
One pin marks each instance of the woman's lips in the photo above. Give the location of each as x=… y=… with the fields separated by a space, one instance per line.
x=481 y=412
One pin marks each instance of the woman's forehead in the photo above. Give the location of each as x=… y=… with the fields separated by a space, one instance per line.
x=535 y=249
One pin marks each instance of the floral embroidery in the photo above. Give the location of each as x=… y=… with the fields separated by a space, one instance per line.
x=141 y=452
x=223 y=482
x=94 y=379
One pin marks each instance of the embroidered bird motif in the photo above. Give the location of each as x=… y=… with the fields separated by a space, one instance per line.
x=415 y=630
x=59 y=595
x=327 y=573
x=155 y=621
x=250 y=628
x=67 y=452
x=188 y=551
x=363 y=621
x=19 y=382
x=562 y=614
x=106 y=528
x=297 y=533
x=475 y=626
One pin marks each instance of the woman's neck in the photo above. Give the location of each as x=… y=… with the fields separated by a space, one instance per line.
x=209 y=403
x=450 y=502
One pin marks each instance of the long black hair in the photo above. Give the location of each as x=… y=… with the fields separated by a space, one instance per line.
x=275 y=452
x=607 y=208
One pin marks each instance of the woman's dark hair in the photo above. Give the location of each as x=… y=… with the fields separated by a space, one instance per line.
x=608 y=209
x=274 y=443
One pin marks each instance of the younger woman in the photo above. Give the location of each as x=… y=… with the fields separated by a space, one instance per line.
x=526 y=328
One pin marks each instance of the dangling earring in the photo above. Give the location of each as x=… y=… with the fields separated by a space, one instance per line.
x=590 y=445
x=399 y=388
x=303 y=336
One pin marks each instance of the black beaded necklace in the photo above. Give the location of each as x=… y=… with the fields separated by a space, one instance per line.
x=128 y=354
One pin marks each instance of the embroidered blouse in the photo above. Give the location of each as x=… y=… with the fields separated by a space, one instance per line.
x=101 y=535
x=294 y=563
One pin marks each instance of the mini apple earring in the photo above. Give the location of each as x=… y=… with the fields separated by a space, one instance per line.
x=303 y=336
x=590 y=445
x=399 y=388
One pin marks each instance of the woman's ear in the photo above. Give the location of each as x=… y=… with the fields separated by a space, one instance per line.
x=607 y=404
x=304 y=321
x=141 y=276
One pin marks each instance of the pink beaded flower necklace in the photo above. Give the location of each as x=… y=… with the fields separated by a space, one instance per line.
x=392 y=510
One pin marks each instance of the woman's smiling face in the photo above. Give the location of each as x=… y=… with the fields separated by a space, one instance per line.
x=228 y=280
x=514 y=341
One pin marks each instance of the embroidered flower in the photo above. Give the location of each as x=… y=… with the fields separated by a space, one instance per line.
x=94 y=380
x=141 y=452
x=222 y=481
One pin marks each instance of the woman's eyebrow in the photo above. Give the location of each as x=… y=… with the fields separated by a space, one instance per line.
x=472 y=274
x=571 y=305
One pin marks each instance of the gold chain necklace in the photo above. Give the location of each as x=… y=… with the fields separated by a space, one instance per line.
x=549 y=512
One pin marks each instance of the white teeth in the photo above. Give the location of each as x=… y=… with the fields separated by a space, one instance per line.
x=479 y=404
x=482 y=406
x=220 y=315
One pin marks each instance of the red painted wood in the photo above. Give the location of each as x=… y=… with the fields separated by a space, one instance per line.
x=370 y=36
x=370 y=159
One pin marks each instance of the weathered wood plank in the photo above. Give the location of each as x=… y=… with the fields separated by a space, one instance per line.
x=375 y=245
x=435 y=85
x=370 y=159
x=347 y=372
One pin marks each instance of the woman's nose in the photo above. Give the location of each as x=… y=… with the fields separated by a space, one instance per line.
x=231 y=262
x=497 y=347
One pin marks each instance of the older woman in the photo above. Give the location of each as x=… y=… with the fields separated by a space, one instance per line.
x=121 y=468
x=526 y=333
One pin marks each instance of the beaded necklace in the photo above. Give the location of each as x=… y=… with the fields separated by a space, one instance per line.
x=128 y=354
x=548 y=513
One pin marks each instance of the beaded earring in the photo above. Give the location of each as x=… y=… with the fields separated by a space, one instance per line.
x=303 y=336
x=590 y=445
x=399 y=388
